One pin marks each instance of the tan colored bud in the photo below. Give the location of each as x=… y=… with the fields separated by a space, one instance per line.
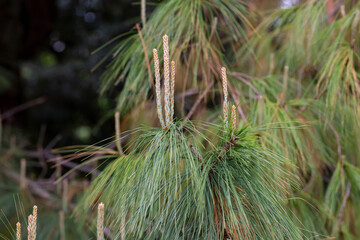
x=35 y=209
x=18 y=231
x=226 y=103
x=167 y=80
x=173 y=72
x=100 y=222
x=233 y=117
x=30 y=227
x=158 y=88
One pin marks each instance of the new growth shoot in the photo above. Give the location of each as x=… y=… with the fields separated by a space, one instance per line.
x=100 y=222
x=32 y=224
x=18 y=231
x=169 y=84
x=226 y=94
x=226 y=103
x=233 y=117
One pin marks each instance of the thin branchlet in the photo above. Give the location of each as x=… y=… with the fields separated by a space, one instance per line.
x=286 y=76
x=158 y=88
x=226 y=103
x=100 y=222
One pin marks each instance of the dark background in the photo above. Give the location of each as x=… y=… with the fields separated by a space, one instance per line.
x=45 y=52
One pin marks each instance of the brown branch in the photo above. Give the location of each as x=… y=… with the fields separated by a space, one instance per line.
x=84 y=168
x=190 y=145
x=143 y=12
x=145 y=56
x=88 y=154
x=52 y=143
x=331 y=9
x=60 y=161
x=310 y=183
x=117 y=133
x=198 y=100
x=22 y=174
x=239 y=77
x=36 y=189
x=22 y=107
x=281 y=96
x=315 y=98
x=40 y=149
x=237 y=102
x=227 y=147
x=213 y=27
x=300 y=76
x=343 y=205
x=337 y=137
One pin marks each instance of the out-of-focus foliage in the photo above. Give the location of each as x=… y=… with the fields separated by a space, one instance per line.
x=20 y=188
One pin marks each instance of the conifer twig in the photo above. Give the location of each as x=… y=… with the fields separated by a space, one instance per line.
x=213 y=27
x=158 y=87
x=58 y=174
x=100 y=222
x=271 y=68
x=117 y=133
x=342 y=10
x=62 y=225
x=237 y=101
x=300 y=76
x=22 y=107
x=198 y=100
x=18 y=231
x=23 y=174
x=33 y=185
x=227 y=146
x=146 y=56
x=285 y=86
x=143 y=12
x=285 y=79
x=343 y=204
x=239 y=76
x=337 y=137
x=64 y=195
